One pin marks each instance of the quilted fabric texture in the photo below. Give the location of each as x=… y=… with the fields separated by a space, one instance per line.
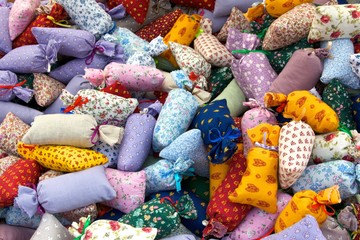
x=289 y=27
x=129 y=187
x=212 y=50
x=20 y=173
x=295 y=147
x=223 y=214
x=259 y=184
x=21 y=14
x=12 y=129
x=302 y=204
x=53 y=19
x=62 y=158
x=159 y=27
x=334 y=21
x=46 y=89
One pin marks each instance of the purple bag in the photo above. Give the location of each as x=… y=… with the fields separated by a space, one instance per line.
x=75 y=67
x=217 y=22
x=237 y=40
x=223 y=8
x=77 y=83
x=5 y=41
x=26 y=114
x=31 y=58
x=136 y=143
x=9 y=88
x=73 y=42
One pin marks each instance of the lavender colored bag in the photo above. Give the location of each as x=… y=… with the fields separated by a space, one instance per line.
x=238 y=40
x=31 y=58
x=9 y=88
x=5 y=41
x=73 y=42
x=110 y=52
x=136 y=143
x=26 y=114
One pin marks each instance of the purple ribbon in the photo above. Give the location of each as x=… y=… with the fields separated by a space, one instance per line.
x=90 y=58
x=152 y=112
x=96 y=131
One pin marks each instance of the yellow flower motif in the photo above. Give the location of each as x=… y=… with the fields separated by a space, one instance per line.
x=146 y=217
x=144 y=206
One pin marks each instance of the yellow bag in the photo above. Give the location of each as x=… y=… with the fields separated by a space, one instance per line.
x=276 y=8
x=259 y=185
x=183 y=32
x=62 y=158
x=308 y=202
x=303 y=105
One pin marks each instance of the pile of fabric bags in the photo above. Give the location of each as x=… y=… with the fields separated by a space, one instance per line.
x=177 y=119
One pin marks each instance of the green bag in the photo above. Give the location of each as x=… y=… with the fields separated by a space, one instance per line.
x=219 y=79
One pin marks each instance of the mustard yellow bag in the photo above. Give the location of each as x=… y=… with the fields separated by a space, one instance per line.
x=183 y=32
x=61 y=158
x=308 y=202
x=303 y=105
x=276 y=8
x=259 y=184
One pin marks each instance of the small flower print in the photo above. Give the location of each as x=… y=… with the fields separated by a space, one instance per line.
x=325 y=19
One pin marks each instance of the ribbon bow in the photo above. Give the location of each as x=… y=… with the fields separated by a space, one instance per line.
x=214 y=228
x=86 y=225
x=150 y=111
x=13 y=86
x=96 y=131
x=90 y=58
x=62 y=23
x=180 y=167
x=318 y=205
x=264 y=145
x=78 y=102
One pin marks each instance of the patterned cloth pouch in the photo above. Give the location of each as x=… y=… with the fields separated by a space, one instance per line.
x=195 y=4
x=73 y=42
x=307 y=227
x=167 y=175
x=340 y=172
x=162 y=214
x=259 y=223
x=189 y=145
x=46 y=89
x=91 y=187
x=224 y=215
x=5 y=41
x=134 y=78
x=26 y=114
x=335 y=21
x=251 y=119
x=16 y=217
x=194 y=225
x=183 y=32
x=303 y=105
x=49 y=174
x=31 y=58
x=6 y=162
x=197 y=185
x=259 y=184
x=338 y=66
x=290 y=27
x=217 y=130
x=49 y=227
x=55 y=18
x=218 y=173
x=11 y=88
x=355 y=63
x=12 y=129
x=238 y=40
x=219 y=79
x=89 y=210
x=192 y=63
x=129 y=187
x=61 y=158
x=280 y=57
x=212 y=50
x=117 y=89
x=278 y=8
x=159 y=27
x=293 y=77
x=332 y=230
x=19 y=174
x=224 y=8
x=21 y=15
x=104 y=107
x=136 y=10
x=136 y=143
x=78 y=130
x=174 y=119
x=109 y=229
x=307 y=202
x=295 y=147
x=338 y=98
x=236 y=20
x=88 y=16
x=254 y=75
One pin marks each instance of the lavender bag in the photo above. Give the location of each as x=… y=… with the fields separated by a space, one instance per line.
x=31 y=58
x=103 y=53
x=9 y=88
x=238 y=41
x=26 y=114
x=136 y=143
x=5 y=41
